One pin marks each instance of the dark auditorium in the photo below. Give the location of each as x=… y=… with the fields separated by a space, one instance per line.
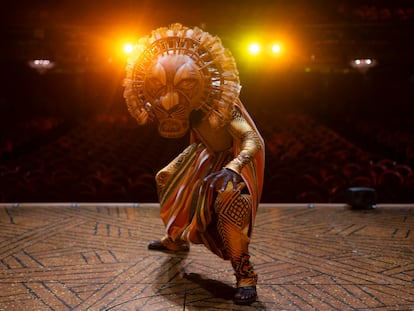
x=276 y=134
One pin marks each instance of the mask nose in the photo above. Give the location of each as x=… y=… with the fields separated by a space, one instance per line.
x=169 y=100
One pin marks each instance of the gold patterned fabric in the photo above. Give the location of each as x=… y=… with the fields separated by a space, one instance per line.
x=233 y=211
x=188 y=205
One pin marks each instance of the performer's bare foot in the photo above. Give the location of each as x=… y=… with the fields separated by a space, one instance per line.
x=245 y=295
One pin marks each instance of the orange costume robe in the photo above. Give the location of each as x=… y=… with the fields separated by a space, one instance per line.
x=186 y=80
x=188 y=206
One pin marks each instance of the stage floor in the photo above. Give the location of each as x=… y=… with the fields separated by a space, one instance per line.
x=95 y=257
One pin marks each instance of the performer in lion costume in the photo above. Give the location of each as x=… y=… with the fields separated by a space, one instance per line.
x=186 y=81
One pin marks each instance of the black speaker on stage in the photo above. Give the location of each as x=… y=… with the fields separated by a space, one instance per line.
x=361 y=197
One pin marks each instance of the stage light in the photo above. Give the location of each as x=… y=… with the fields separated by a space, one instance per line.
x=276 y=48
x=254 y=48
x=363 y=64
x=361 y=197
x=128 y=48
x=119 y=45
x=41 y=65
x=273 y=51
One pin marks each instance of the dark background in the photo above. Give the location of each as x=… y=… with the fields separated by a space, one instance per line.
x=66 y=134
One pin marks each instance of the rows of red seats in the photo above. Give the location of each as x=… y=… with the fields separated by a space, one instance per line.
x=110 y=158
x=103 y=159
x=392 y=135
x=308 y=162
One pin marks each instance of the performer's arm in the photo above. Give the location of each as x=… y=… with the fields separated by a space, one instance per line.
x=250 y=143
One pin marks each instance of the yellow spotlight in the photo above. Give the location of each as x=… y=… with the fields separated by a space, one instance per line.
x=276 y=48
x=254 y=48
x=128 y=48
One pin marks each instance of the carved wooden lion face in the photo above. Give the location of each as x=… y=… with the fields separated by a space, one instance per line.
x=174 y=86
x=177 y=70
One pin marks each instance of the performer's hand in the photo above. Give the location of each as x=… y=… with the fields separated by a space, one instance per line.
x=220 y=179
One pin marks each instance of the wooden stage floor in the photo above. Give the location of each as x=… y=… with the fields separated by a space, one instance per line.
x=95 y=257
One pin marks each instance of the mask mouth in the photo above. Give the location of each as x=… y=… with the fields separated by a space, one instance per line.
x=173 y=128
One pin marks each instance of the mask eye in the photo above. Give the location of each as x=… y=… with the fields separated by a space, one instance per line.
x=187 y=84
x=153 y=85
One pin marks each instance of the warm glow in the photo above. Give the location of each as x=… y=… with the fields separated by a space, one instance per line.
x=276 y=48
x=128 y=48
x=120 y=44
x=254 y=48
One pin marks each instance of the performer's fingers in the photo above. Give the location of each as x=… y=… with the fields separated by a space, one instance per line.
x=226 y=180
x=235 y=182
x=209 y=177
x=214 y=179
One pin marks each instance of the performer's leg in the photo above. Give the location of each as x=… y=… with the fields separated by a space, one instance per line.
x=233 y=210
x=162 y=179
x=166 y=243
